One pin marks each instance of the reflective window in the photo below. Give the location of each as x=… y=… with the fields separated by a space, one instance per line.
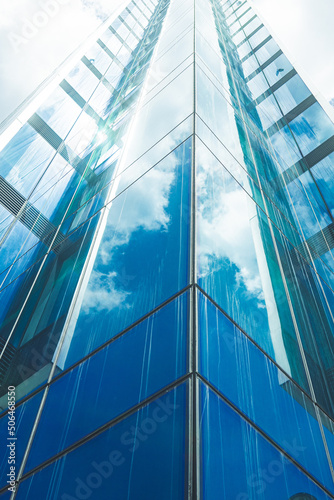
x=277 y=69
x=142 y=258
x=25 y=415
x=59 y=112
x=311 y=128
x=237 y=265
x=238 y=461
x=239 y=370
x=143 y=453
x=24 y=159
x=135 y=366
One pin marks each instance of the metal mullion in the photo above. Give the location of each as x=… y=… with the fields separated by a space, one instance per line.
x=105 y=427
x=193 y=403
x=264 y=65
x=291 y=115
x=275 y=87
x=231 y=5
x=238 y=19
x=110 y=54
x=244 y=25
x=143 y=13
x=258 y=47
x=118 y=36
x=262 y=433
x=137 y=21
x=130 y=29
x=250 y=35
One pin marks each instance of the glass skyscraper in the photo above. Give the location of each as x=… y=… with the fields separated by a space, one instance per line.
x=166 y=232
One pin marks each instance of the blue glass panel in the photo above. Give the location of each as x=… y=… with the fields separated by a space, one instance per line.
x=237 y=264
x=238 y=369
x=311 y=128
x=293 y=92
x=323 y=173
x=314 y=319
x=239 y=464
x=6 y=495
x=142 y=257
x=25 y=415
x=141 y=457
x=132 y=368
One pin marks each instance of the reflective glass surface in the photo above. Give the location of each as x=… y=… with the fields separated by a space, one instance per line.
x=12 y=450
x=237 y=265
x=135 y=366
x=241 y=464
x=143 y=453
x=243 y=374
x=142 y=258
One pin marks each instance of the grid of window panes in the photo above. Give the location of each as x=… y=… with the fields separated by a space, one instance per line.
x=264 y=223
x=166 y=269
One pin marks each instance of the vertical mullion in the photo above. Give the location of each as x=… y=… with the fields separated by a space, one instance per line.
x=193 y=434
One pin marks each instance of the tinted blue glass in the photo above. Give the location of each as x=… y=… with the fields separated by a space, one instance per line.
x=6 y=495
x=239 y=464
x=314 y=320
x=311 y=128
x=323 y=173
x=293 y=92
x=142 y=256
x=237 y=265
x=143 y=456
x=248 y=378
x=139 y=363
x=25 y=415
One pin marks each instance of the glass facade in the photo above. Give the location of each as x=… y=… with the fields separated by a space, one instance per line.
x=166 y=271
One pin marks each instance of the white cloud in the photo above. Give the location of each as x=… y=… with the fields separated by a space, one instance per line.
x=102 y=294
x=224 y=225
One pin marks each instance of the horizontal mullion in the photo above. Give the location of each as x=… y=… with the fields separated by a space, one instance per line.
x=258 y=47
x=244 y=26
x=291 y=115
x=264 y=65
x=250 y=35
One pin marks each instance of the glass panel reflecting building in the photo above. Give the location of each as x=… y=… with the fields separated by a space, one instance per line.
x=167 y=275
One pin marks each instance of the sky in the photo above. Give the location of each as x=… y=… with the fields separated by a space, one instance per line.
x=37 y=35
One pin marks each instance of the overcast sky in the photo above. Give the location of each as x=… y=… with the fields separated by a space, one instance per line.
x=37 y=35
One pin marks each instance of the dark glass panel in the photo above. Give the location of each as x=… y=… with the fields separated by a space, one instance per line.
x=242 y=373
x=135 y=366
x=238 y=463
x=142 y=455
x=24 y=415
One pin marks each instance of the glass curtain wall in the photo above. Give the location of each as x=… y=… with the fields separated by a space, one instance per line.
x=166 y=280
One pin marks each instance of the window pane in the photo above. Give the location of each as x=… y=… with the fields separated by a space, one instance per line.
x=135 y=366
x=25 y=415
x=238 y=369
x=238 y=461
x=142 y=258
x=143 y=454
